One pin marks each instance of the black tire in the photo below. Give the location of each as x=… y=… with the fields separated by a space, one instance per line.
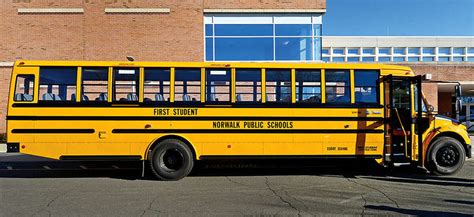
x=171 y=160
x=446 y=156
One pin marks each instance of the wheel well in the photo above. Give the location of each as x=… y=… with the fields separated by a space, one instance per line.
x=156 y=142
x=448 y=134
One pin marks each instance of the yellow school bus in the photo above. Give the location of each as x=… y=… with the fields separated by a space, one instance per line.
x=172 y=114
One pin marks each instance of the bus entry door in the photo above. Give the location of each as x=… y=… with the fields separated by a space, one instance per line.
x=400 y=124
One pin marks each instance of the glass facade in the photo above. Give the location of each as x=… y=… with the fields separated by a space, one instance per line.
x=398 y=54
x=262 y=37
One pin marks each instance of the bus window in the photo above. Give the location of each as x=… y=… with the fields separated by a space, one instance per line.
x=24 y=88
x=157 y=84
x=57 y=83
x=366 y=86
x=94 y=84
x=308 y=86
x=126 y=82
x=338 y=88
x=278 y=85
x=187 y=85
x=218 y=85
x=248 y=85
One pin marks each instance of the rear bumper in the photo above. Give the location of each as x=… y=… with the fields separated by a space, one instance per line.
x=13 y=147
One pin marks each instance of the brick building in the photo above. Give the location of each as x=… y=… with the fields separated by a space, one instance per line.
x=181 y=30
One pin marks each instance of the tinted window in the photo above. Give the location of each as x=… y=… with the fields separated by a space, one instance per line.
x=94 y=84
x=293 y=29
x=366 y=86
x=157 y=85
x=338 y=86
x=57 y=83
x=126 y=84
x=24 y=88
x=187 y=85
x=278 y=85
x=218 y=85
x=248 y=85
x=293 y=49
x=308 y=86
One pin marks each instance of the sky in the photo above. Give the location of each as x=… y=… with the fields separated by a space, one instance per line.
x=399 y=18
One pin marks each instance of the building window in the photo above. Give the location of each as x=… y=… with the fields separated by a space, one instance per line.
x=384 y=51
x=384 y=59
x=368 y=51
x=353 y=51
x=458 y=50
x=443 y=59
x=250 y=37
x=398 y=59
x=325 y=51
x=326 y=59
x=352 y=59
x=399 y=51
x=470 y=50
x=413 y=51
x=413 y=59
x=444 y=50
x=428 y=50
x=368 y=59
x=457 y=59
x=338 y=59
x=339 y=51
x=428 y=59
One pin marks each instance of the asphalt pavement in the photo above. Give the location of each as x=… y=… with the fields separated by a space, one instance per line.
x=32 y=186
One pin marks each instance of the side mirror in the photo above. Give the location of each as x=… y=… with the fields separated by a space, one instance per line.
x=431 y=108
x=458 y=106
x=458 y=91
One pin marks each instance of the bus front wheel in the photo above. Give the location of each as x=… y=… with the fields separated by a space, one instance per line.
x=446 y=156
x=171 y=160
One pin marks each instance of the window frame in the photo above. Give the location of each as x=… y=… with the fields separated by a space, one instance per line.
x=65 y=101
x=173 y=86
x=34 y=94
x=170 y=86
x=377 y=87
x=349 y=87
x=113 y=85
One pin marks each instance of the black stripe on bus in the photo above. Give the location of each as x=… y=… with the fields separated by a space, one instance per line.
x=50 y=131
x=240 y=131
x=191 y=118
x=101 y=158
x=265 y=157
x=53 y=104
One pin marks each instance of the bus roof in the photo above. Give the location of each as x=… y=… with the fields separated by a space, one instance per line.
x=386 y=69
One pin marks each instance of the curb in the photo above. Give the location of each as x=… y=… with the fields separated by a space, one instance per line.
x=3 y=148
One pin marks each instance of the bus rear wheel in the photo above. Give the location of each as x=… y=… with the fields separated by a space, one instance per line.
x=171 y=160
x=446 y=156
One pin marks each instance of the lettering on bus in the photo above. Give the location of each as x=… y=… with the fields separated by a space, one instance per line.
x=252 y=124
x=175 y=112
